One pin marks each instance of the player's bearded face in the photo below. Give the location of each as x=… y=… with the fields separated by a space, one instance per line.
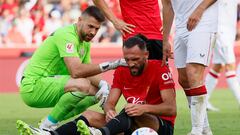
x=136 y=59
x=89 y=28
x=87 y=37
x=137 y=69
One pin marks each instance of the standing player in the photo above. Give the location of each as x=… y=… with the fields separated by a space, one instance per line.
x=148 y=89
x=223 y=55
x=196 y=25
x=59 y=74
x=139 y=16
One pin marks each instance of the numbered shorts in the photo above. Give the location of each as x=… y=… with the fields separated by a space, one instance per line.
x=43 y=92
x=196 y=47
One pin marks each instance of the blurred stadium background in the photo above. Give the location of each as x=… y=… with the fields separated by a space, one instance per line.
x=24 y=24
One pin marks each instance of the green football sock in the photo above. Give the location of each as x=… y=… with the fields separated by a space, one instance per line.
x=66 y=104
x=82 y=106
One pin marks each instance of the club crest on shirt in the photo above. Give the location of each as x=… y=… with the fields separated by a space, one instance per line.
x=69 y=47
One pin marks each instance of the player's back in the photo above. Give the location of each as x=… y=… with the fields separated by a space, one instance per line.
x=46 y=60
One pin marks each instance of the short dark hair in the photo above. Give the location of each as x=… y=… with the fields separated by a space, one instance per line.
x=139 y=40
x=94 y=12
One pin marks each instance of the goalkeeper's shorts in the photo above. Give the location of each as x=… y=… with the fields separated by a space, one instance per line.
x=43 y=92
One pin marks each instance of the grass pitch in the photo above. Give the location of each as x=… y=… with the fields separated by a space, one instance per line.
x=225 y=122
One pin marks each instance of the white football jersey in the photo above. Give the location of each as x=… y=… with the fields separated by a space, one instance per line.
x=227 y=20
x=184 y=8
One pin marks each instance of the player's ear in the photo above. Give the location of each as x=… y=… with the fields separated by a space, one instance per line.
x=146 y=54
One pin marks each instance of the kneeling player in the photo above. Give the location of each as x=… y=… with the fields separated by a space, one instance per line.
x=148 y=89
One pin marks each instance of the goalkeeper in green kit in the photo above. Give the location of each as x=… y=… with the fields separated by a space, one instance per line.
x=60 y=75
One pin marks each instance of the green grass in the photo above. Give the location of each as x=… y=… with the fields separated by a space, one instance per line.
x=225 y=122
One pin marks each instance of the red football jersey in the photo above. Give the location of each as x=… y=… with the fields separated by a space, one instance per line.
x=144 y=89
x=145 y=15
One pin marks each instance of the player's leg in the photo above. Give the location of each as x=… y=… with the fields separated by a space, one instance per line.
x=219 y=60
x=81 y=106
x=71 y=128
x=87 y=101
x=197 y=58
x=180 y=58
x=230 y=69
x=74 y=91
x=155 y=49
x=91 y=122
x=25 y=129
x=46 y=92
x=161 y=126
x=118 y=124
x=232 y=81
x=197 y=92
x=211 y=81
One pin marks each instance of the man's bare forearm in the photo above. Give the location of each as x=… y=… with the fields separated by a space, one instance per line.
x=101 y=4
x=205 y=4
x=168 y=16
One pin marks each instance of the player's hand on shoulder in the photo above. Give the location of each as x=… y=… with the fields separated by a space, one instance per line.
x=119 y=62
x=105 y=66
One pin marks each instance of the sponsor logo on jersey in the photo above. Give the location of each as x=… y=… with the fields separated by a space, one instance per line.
x=135 y=100
x=166 y=76
x=69 y=48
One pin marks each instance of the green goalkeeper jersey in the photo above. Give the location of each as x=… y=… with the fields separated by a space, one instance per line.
x=48 y=58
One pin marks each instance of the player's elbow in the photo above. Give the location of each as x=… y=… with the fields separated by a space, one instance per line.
x=74 y=76
x=171 y=111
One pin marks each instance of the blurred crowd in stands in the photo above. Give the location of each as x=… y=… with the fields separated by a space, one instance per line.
x=26 y=23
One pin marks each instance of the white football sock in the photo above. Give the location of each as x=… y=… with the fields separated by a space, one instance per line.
x=211 y=82
x=206 y=123
x=233 y=84
x=198 y=113
x=48 y=125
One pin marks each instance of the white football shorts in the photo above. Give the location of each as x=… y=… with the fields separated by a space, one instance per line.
x=223 y=55
x=196 y=47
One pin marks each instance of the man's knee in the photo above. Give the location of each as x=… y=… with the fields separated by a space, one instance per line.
x=95 y=119
x=147 y=120
x=230 y=67
x=80 y=84
x=218 y=67
x=195 y=74
x=183 y=81
x=182 y=78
